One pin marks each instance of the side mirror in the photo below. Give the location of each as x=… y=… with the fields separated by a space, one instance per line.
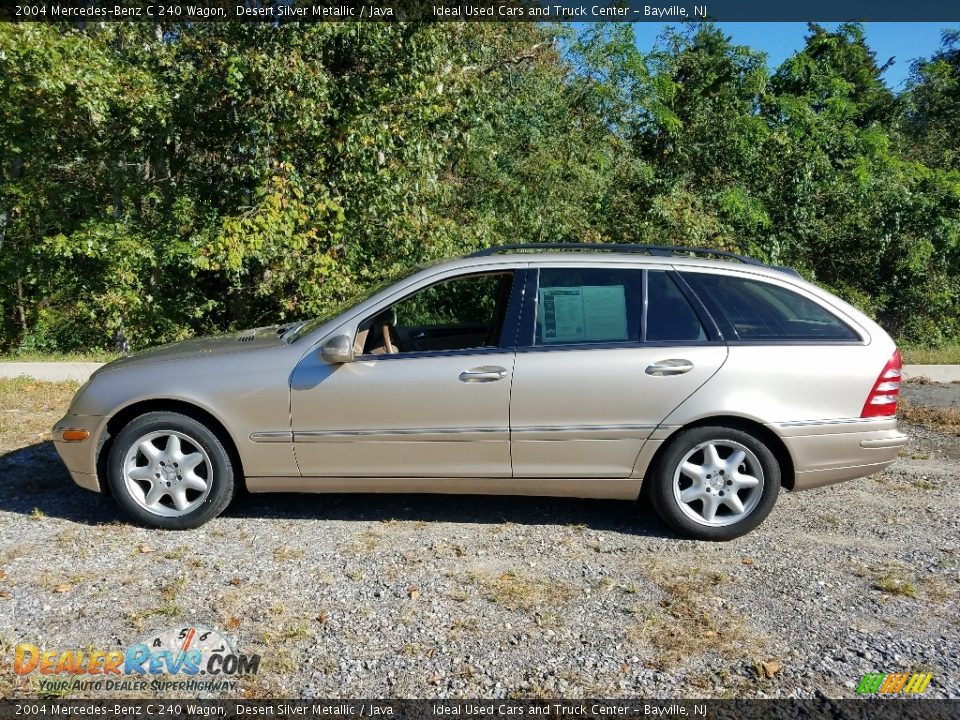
x=338 y=349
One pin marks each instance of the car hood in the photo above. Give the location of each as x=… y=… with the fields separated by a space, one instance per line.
x=241 y=341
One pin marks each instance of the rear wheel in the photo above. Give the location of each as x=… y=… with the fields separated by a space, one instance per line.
x=169 y=471
x=715 y=483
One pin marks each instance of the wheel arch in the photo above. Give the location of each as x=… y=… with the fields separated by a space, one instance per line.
x=759 y=430
x=125 y=415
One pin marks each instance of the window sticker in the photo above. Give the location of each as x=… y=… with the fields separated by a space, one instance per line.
x=591 y=313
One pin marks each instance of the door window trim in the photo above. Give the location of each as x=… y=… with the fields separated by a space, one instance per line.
x=508 y=332
x=526 y=330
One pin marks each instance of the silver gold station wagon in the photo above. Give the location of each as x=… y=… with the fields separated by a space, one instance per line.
x=697 y=380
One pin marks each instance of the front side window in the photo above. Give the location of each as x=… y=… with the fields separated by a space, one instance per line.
x=459 y=314
x=763 y=311
x=588 y=305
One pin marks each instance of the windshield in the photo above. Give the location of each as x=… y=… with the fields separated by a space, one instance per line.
x=293 y=332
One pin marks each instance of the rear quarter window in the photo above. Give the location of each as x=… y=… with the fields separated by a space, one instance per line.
x=763 y=311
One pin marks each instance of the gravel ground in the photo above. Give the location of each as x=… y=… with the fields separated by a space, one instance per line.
x=932 y=394
x=366 y=596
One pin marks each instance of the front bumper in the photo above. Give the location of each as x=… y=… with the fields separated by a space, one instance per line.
x=80 y=457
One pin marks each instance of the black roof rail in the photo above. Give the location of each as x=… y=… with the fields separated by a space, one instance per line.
x=660 y=250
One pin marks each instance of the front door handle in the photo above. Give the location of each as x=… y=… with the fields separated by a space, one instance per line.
x=486 y=373
x=674 y=366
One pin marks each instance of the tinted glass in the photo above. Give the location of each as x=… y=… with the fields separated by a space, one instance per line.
x=670 y=318
x=761 y=311
x=588 y=305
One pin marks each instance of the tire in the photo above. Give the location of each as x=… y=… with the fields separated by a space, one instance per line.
x=686 y=482
x=170 y=471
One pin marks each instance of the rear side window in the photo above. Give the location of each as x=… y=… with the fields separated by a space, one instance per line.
x=761 y=311
x=588 y=305
x=670 y=318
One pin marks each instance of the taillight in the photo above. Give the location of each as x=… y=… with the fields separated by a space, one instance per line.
x=882 y=400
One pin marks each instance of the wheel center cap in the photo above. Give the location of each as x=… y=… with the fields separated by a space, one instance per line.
x=168 y=472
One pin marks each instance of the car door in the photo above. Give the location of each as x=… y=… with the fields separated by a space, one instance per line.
x=605 y=353
x=427 y=394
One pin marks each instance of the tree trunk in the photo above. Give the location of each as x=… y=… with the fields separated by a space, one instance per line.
x=21 y=309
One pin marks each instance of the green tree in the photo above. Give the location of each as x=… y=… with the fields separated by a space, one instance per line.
x=162 y=181
x=849 y=205
x=932 y=122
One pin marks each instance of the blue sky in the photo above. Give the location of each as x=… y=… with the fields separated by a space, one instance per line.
x=902 y=41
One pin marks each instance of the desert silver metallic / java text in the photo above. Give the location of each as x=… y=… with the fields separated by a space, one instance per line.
x=168 y=473
x=718 y=483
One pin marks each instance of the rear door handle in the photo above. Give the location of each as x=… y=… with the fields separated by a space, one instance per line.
x=674 y=366
x=486 y=373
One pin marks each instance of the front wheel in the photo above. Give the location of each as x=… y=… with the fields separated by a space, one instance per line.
x=714 y=483
x=170 y=471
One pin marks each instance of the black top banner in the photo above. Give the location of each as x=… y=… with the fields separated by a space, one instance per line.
x=283 y=11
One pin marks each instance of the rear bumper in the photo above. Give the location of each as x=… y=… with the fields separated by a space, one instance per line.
x=830 y=453
x=80 y=457
x=818 y=478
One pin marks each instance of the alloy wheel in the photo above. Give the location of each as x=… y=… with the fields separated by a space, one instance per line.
x=718 y=483
x=167 y=473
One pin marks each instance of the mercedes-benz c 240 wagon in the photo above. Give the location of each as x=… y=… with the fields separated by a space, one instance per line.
x=699 y=381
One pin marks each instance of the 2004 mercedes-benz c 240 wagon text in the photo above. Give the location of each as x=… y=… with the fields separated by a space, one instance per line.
x=699 y=381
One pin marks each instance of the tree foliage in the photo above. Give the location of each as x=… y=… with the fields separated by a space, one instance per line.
x=157 y=182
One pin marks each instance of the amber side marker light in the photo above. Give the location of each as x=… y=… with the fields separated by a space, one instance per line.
x=75 y=435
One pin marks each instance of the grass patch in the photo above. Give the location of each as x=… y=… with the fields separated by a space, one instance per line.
x=892 y=583
x=29 y=409
x=949 y=560
x=167 y=610
x=285 y=553
x=262 y=686
x=364 y=544
x=941 y=419
x=684 y=625
x=170 y=591
x=281 y=662
x=101 y=356
x=408 y=650
x=515 y=591
x=938 y=591
x=548 y=619
x=295 y=631
x=66 y=538
x=946 y=355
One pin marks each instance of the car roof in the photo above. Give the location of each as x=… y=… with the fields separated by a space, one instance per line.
x=617 y=258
